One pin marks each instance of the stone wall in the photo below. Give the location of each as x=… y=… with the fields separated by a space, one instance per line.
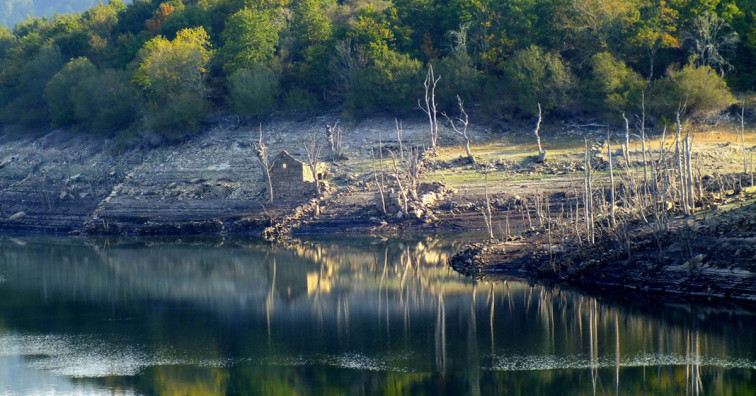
x=291 y=179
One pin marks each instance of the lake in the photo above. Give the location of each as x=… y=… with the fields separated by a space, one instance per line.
x=338 y=316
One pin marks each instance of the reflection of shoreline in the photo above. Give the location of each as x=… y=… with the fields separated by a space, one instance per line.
x=387 y=306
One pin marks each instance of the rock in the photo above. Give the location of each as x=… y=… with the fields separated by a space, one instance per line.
x=697 y=260
x=17 y=216
x=6 y=161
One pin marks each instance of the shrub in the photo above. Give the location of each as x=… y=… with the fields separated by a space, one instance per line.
x=392 y=82
x=458 y=77
x=701 y=90
x=536 y=77
x=253 y=92
x=179 y=117
x=612 y=86
x=59 y=90
x=106 y=101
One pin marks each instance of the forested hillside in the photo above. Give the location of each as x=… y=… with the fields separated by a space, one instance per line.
x=164 y=66
x=14 y=11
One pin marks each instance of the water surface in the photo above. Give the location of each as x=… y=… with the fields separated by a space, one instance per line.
x=347 y=316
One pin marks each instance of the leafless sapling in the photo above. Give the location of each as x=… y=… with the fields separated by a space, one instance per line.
x=464 y=121
x=379 y=181
x=487 y=215
x=541 y=152
x=611 y=180
x=742 y=136
x=313 y=148
x=430 y=108
x=262 y=157
x=333 y=135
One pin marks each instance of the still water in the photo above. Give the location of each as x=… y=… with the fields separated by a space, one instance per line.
x=347 y=316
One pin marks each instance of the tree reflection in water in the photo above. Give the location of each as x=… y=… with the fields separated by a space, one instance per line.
x=356 y=316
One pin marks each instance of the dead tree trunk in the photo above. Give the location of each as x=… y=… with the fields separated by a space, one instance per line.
x=643 y=146
x=463 y=119
x=541 y=154
x=262 y=157
x=430 y=105
x=488 y=217
x=589 y=224
x=379 y=181
x=689 y=170
x=680 y=169
x=742 y=137
x=333 y=135
x=611 y=179
x=313 y=150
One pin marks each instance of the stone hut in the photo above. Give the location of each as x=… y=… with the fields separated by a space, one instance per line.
x=292 y=178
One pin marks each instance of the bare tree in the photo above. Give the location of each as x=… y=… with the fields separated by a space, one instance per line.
x=313 y=149
x=541 y=153
x=379 y=179
x=680 y=156
x=464 y=121
x=400 y=184
x=588 y=191
x=262 y=157
x=487 y=215
x=713 y=38
x=430 y=105
x=333 y=136
x=742 y=136
x=611 y=180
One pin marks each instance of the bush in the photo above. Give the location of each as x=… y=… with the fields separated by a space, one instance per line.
x=106 y=101
x=179 y=117
x=27 y=106
x=59 y=90
x=701 y=90
x=300 y=99
x=458 y=77
x=252 y=92
x=536 y=77
x=392 y=83
x=612 y=86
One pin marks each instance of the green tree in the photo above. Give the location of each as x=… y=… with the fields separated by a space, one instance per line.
x=105 y=101
x=655 y=30
x=27 y=105
x=535 y=76
x=458 y=77
x=612 y=85
x=309 y=23
x=390 y=83
x=253 y=92
x=250 y=38
x=172 y=76
x=371 y=31
x=59 y=91
x=744 y=61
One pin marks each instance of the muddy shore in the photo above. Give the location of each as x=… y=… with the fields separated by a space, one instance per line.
x=711 y=256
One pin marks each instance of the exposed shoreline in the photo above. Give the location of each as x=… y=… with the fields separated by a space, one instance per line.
x=63 y=183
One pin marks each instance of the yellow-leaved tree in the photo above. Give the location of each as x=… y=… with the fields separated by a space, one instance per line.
x=171 y=74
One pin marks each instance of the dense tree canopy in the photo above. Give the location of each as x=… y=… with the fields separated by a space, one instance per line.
x=163 y=65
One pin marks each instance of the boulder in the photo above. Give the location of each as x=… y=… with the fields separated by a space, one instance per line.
x=17 y=216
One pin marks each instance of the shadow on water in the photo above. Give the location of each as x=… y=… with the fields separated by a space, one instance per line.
x=337 y=316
